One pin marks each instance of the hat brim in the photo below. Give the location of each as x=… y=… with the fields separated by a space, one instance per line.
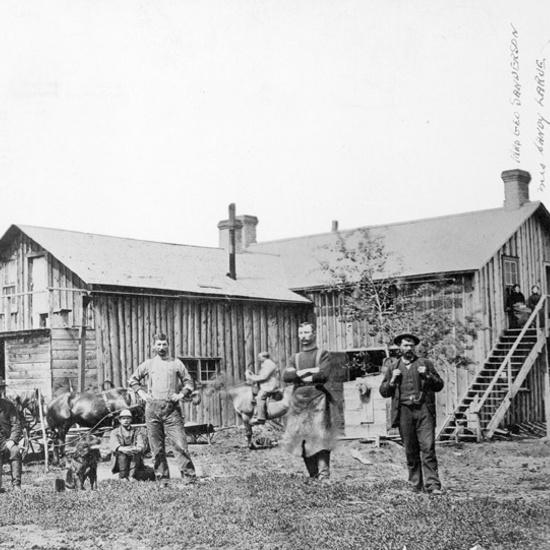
x=398 y=339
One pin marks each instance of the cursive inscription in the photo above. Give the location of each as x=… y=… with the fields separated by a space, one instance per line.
x=515 y=99
x=542 y=122
x=540 y=90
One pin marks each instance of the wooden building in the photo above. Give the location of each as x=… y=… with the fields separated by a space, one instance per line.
x=72 y=298
x=484 y=253
x=69 y=297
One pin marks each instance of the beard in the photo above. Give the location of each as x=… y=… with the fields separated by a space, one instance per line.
x=408 y=355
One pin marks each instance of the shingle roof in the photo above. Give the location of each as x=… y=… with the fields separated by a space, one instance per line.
x=457 y=243
x=114 y=261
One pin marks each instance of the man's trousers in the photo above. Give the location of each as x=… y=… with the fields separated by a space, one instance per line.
x=417 y=430
x=163 y=419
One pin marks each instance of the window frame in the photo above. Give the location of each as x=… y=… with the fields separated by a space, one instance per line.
x=511 y=260
x=203 y=370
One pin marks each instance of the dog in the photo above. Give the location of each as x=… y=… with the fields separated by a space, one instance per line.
x=82 y=463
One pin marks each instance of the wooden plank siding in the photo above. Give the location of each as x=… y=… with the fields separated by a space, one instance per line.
x=65 y=289
x=28 y=363
x=64 y=357
x=483 y=295
x=233 y=331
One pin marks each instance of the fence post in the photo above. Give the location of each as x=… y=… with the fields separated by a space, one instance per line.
x=44 y=436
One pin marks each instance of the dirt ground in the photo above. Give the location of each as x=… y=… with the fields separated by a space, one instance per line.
x=517 y=469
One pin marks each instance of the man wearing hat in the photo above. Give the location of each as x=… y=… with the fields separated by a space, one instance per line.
x=127 y=448
x=11 y=431
x=411 y=382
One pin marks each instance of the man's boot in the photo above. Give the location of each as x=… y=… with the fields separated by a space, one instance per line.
x=259 y=413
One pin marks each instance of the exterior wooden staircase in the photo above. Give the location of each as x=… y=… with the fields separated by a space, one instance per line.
x=484 y=405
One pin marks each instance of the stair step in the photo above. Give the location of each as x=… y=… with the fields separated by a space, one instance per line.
x=487 y=378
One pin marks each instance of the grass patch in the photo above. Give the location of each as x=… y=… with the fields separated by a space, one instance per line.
x=278 y=511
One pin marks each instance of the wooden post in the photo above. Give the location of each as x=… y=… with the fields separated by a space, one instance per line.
x=547 y=392
x=232 y=244
x=44 y=437
x=8 y=319
x=82 y=345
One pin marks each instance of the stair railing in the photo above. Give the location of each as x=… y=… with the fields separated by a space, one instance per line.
x=507 y=362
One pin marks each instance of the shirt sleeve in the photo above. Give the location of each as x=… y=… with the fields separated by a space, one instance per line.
x=114 y=441
x=139 y=374
x=325 y=362
x=386 y=389
x=268 y=368
x=185 y=377
x=289 y=374
x=433 y=381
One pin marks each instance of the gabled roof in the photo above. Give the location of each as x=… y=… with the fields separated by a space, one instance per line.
x=447 y=244
x=114 y=261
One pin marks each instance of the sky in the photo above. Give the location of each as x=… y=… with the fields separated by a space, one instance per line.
x=146 y=119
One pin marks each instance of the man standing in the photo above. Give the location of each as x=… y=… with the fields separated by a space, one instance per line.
x=411 y=382
x=167 y=382
x=311 y=427
x=268 y=381
x=11 y=432
x=127 y=448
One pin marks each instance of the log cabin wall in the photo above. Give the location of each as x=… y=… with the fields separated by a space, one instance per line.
x=336 y=334
x=232 y=331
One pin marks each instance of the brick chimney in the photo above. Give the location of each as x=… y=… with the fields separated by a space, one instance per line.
x=245 y=232
x=516 y=188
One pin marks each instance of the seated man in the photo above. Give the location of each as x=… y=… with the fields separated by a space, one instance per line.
x=128 y=446
x=266 y=382
x=11 y=431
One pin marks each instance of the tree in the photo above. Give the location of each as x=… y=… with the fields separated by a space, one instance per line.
x=368 y=280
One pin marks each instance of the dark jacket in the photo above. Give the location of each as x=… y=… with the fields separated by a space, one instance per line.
x=532 y=301
x=10 y=423
x=430 y=383
x=513 y=299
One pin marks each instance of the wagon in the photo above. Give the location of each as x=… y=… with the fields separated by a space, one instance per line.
x=200 y=433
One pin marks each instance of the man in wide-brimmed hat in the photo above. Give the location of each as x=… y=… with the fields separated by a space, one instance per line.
x=411 y=382
x=11 y=432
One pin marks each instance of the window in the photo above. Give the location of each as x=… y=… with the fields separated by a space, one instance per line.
x=9 y=287
x=201 y=370
x=511 y=271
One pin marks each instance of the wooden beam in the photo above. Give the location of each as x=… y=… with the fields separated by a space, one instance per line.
x=82 y=345
x=546 y=393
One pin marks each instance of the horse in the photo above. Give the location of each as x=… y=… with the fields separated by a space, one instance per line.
x=88 y=410
x=241 y=397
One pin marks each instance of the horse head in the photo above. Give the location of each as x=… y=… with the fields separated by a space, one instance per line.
x=117 y=398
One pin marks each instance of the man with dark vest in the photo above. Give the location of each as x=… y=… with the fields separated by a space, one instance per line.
x=411 y=382
x=311 y=427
